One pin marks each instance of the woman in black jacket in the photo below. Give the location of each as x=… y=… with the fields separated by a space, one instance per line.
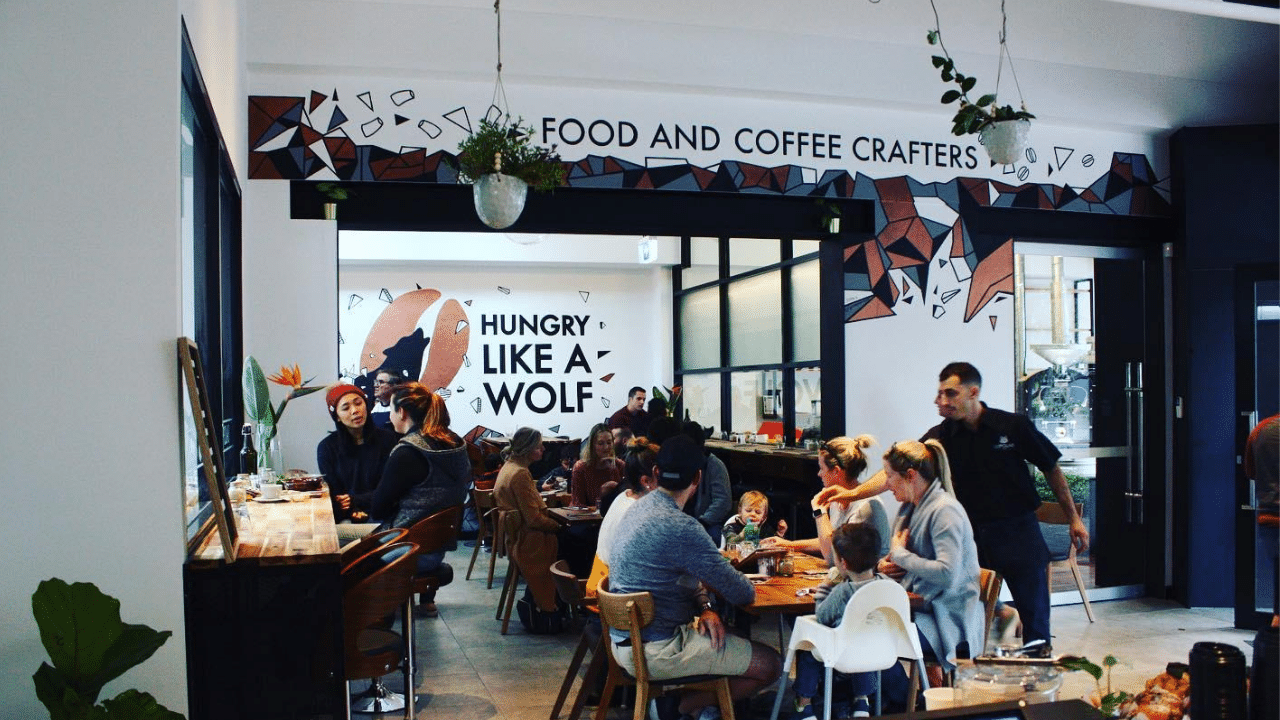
x=427 y=472
x=352 y=457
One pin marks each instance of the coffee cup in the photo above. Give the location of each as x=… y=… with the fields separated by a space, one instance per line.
x=270 y=491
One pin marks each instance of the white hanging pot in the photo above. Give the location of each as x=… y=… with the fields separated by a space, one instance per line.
x=1005 y=140
x=499 y=199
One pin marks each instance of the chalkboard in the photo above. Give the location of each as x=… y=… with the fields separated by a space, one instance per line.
x=210 y=453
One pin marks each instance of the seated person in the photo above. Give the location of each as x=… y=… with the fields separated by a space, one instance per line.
x=663 y=551
x=637 y=481
x=857 y=548
x=352 y=457
x=622 y=437
x=597 y=467
x=932 y=551
x=428 y=471
x=714 y=501
x=840 y=462
x=753 y=507
x=385 y=382
x=557 y=479
x=538 y=543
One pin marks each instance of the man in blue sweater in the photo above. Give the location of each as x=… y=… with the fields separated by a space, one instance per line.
x=667 y=553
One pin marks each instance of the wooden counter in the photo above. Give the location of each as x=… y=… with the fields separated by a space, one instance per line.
x=298 y=531
x=264 y=633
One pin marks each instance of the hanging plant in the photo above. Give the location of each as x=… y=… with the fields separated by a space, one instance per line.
x=1003 y=142
x=507 y=148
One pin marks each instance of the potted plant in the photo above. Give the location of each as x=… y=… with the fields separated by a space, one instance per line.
x=334 y=192
x=1003 y=129
x=501 y=162
x=90 y=646
x=830 y=220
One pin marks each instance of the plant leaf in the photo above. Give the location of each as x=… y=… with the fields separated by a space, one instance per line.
x=950 y=96
x=257 y=396
x=932 y=37
x=967 y=83
x=62 y=701
x=938 y=61
x=1082 y=665
x=80 y=628
x=986 y=100
x=134 y=705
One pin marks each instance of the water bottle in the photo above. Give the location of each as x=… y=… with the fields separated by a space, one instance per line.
x=1217 y=682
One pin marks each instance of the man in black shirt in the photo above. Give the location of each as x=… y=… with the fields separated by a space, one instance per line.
x=988 y=451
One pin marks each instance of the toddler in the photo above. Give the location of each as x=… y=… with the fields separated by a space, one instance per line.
x=753 y=507
x=857 y=549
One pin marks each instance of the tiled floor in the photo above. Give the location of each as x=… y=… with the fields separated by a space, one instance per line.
x=468 y=671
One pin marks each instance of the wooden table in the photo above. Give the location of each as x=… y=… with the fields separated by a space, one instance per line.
x=264 y=633
x=577 y=516
x=778 y=593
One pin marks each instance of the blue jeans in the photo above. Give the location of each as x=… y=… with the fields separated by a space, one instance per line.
x=1015 y=548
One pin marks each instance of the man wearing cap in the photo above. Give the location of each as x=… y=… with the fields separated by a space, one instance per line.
x=351 y=457
x=662 y=551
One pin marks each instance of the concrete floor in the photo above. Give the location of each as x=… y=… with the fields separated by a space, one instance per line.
x=468 y=671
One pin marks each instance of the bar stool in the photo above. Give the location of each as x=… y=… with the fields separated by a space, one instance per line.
x=374 y=588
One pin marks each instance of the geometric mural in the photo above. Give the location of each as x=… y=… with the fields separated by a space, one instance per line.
x=291 y=139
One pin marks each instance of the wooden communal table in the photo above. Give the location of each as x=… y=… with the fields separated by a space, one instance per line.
x=778 y=593
x=578 y=516
x=264 y=633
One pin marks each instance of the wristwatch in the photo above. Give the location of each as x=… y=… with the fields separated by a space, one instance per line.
x=706 y=605
x=819 y=512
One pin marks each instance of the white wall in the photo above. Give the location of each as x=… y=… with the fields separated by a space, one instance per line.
x=89 y=288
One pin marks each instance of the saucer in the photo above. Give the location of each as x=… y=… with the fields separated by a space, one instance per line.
x=272 y=500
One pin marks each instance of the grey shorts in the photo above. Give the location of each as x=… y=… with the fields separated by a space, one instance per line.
x=689 y=652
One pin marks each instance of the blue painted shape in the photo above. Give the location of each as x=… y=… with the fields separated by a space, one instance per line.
x=864 y=188
x=1121 y=203
x=949 y=193
x=606 y=180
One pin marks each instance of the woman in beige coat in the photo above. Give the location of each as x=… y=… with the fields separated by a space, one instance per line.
x=516 y=492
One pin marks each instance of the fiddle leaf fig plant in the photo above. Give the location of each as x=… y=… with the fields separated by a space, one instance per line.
x=90 y=646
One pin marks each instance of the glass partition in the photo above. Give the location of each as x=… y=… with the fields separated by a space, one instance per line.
x=800 y=248
x=808 y=402
x=704 y=262
x=700 y=329
x=755 y=320
x=747 y=404
x=701 y=398
x=747 y=254
x=805 y=312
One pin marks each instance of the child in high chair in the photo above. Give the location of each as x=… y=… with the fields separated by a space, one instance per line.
x=753 y=507
x=857 y=549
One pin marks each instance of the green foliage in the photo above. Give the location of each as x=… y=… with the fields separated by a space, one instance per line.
x=512 y=143
x=90 y=646
x=971 y=116
x=1077 y=484
x=333 y=191
x=257 y=397
x=1109 y=701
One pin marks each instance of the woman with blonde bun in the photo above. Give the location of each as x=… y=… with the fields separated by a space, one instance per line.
x=840 y=463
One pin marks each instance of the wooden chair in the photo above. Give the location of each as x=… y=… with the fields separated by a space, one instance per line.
x=507 y=536
x=485 y=507
x=374 y=588
x=432 y=534
x=632 y=612
x=369 y=543
x=572 y=591
x=989 y=584
x=1061 y=550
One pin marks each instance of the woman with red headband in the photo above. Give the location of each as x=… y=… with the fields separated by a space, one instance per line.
x=352 y=457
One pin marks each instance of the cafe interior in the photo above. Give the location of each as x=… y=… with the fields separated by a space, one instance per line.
x=765 y=211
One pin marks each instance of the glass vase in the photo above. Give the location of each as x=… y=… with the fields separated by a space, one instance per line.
x=269 y=453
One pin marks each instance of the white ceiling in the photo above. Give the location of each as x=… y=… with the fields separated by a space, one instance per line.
x=1086 y=62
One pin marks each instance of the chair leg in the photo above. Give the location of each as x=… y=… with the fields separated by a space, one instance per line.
x=606 y=695
x=348 y=703
x=476 y=552
x=640 y=708
x=725 y=699
x=826 y=696
x=589 y=680
x=570 y=675
x=879 y=692
x=514 y=573
x=1075 y=572
x=777 y=698
x=406 y=620
x=913 y=685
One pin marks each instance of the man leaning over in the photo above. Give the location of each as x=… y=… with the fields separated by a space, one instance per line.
x=667 y=553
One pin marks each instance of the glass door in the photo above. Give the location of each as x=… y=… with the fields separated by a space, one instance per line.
x=1082 y=339
x=1257 y=398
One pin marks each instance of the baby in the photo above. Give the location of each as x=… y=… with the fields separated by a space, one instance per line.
x=753 y=507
